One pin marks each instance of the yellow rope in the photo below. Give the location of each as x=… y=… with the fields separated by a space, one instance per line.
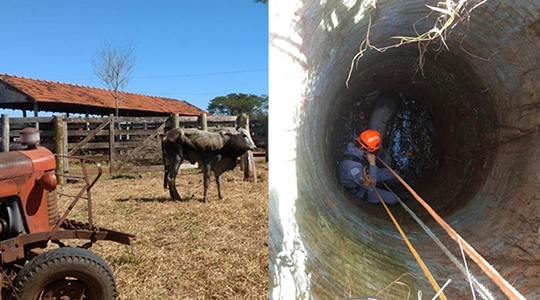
x=490 y=271
x=368 y=181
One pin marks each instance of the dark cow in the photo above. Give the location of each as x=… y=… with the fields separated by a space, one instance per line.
x=214 y=151
x=385 y=107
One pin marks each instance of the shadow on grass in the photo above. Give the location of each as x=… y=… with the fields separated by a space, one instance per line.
x=160 y=199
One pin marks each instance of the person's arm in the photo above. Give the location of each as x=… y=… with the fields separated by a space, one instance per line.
x=372 y=166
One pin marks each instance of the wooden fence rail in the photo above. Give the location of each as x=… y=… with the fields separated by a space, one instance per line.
x=123 y=143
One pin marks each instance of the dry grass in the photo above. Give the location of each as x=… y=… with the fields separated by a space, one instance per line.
x=184 y=250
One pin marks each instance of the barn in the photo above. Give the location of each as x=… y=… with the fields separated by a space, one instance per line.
x=35 y=95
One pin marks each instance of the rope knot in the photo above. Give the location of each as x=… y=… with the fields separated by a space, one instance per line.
x=368 y=181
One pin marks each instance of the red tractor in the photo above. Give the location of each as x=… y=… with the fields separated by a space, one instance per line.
x=30 y=221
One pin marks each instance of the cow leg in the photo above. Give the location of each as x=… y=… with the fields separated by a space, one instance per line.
x=218 y=182
x=174 y=165
x=206 y=180
x=165 y=184
x=165 y=163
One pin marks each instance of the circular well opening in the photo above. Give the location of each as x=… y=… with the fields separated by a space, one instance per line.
x=451 y=170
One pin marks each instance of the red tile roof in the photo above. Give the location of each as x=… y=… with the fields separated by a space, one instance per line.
x=63 y=93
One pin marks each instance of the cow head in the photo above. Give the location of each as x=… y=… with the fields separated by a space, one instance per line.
x=244 y=139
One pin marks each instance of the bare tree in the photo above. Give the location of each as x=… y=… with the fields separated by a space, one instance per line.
x=113 y=65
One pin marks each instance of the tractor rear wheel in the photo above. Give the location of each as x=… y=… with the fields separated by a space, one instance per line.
x=65 y=273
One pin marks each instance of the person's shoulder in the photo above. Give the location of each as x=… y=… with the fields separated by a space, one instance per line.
x=352 y=149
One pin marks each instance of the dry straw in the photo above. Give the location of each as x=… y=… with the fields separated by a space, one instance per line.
x=451 y=13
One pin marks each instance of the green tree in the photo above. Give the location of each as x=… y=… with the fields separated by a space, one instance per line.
x=256 y=107
x=262 y=1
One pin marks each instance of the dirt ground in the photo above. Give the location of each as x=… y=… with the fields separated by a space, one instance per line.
x=189 y=249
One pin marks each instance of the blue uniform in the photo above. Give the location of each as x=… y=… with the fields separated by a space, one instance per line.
x=352 y=177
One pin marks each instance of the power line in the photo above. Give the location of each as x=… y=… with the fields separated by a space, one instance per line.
x=165 y=94
x=202 y=74
x=176 y=75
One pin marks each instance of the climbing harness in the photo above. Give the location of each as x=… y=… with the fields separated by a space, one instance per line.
x=506 y=287
x=368 y=181
x=365 y=164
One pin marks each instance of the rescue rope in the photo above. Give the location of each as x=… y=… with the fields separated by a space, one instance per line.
x=506 y=287
x=484 y=292
x=368 y=181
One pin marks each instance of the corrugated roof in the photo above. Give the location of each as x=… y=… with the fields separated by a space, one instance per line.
x=44 y=91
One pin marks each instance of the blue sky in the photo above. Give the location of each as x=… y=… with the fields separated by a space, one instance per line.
x=192 y=50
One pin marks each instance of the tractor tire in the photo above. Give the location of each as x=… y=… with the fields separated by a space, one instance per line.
x=65 y=273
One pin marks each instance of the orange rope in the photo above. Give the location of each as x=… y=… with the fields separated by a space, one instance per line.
x=508 y=289
x=369 y=182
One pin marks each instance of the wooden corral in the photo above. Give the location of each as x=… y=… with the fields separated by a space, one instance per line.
x=121 y=144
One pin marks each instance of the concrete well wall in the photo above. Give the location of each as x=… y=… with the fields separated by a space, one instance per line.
x=483 y=92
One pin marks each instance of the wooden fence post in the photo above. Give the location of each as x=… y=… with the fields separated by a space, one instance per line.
x=265 y=126
x=111 y=143
x=175 y=121
x=36 y=114
x=5 y=133
x=59 y=147
x=65 y=143
x=250 y=172
x=203 y=122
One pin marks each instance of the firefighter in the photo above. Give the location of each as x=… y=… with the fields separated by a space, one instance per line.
x=359 y=156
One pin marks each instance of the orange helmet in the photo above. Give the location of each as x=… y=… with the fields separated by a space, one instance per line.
x=370 y=140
